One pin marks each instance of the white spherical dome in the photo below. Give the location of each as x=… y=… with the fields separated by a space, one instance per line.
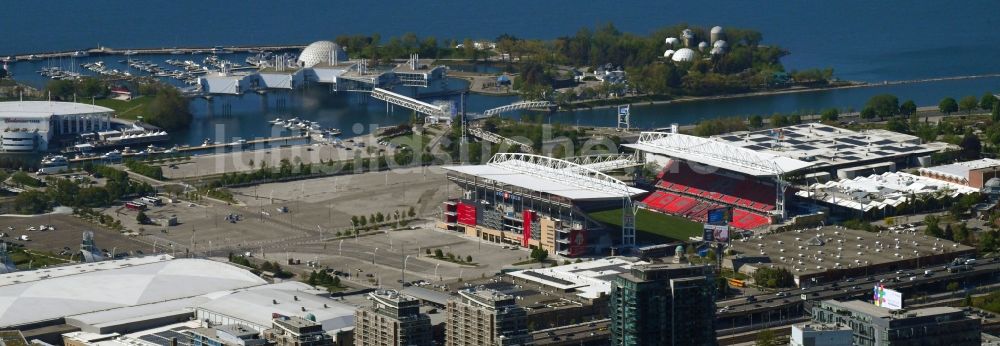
x=717 y=51
x=672 y=41
x=687 y=33
x=668 y=53
x=320 y=52
x=683 y=54
x=720 y=44
x=702 y=46
x=717 y=30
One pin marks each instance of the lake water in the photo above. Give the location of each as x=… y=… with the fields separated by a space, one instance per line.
x=861 y=40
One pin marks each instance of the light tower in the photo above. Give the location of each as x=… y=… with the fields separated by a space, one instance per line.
x=88 y=250
x=6 y=264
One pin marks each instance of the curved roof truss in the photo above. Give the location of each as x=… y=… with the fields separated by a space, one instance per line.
x=561 y=170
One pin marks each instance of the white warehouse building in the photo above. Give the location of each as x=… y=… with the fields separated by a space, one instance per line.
x=29 y=126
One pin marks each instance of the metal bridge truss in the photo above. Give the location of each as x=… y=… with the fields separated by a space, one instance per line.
x=408 y=102
x=606 y=162
x=498 y=139
x=517 y=106
x=734 y=155
x=573 y=174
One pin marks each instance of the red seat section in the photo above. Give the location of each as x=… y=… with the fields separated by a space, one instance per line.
x=685 y=192
x=747 y=193
x=746 y=220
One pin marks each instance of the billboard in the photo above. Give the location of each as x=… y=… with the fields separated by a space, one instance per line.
x=720 y=216
x=887 y=298
x=716 y=233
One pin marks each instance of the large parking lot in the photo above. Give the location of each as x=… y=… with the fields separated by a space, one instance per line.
x=68 y=234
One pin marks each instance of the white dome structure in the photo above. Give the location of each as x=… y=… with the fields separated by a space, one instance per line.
x=684 y=54
x=672 y=42
x=717 y=51
x=702 y=46
x=321 y=52
x=688 y=37
x=668 y=53
x=720 y=44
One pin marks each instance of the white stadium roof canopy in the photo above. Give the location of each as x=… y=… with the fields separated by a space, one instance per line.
x=717 y=153
x=50 y=293
x=549 y=175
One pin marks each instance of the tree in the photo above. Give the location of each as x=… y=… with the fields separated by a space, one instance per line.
x=778 y=120
x=766 y=337
x=884 y=105
x=933 y=226
x=141 y=218
x=168 y=110
x=539 y=255
x=948 y=105
x=908 y=108
x=987 y=101
x=830 y=114
x=868 y=113
x=968 y=104
x=411 y=212
x=438 y=253
x=468 y=258
x=795 y=119
x=995 y=115
x=756 y=121
x=427 y=251
x=971 y=146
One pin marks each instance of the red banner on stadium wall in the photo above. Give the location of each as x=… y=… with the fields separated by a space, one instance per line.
x=528 y=216
x=466 y=214
x=577 y=242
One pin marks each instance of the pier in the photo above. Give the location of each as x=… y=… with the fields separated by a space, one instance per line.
x=147 y=51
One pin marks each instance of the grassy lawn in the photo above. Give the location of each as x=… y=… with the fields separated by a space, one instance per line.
x=127 y=109
x=653 y=227
x=22 y=259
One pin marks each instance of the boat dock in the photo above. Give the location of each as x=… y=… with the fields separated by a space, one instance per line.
x=143 y=51
x=286 y=140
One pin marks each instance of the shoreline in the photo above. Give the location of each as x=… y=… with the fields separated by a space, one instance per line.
x=854 y=85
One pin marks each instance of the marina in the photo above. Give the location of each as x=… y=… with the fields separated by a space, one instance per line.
x=207 y=146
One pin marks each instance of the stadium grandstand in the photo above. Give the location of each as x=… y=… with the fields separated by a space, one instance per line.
x=541 y=202
x=701 y=174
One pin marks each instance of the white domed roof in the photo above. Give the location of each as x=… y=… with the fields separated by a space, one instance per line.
x=716 y=29
x=687 y=33
x=720 y=44
x=716 y=51
x=702 y=45
x=668 y=53
x=683 y=54
x=672 y=41
x=320 y=52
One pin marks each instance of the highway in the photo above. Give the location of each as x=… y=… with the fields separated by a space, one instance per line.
x=740 y=313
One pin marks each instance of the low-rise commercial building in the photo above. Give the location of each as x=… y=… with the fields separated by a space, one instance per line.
x=298 y=331
x=29 y=126
x=227 y=335
x=878 y=326
x=821 y=334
